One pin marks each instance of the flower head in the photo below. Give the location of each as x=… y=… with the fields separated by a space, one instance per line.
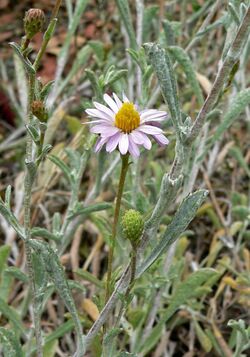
x=38 y=109
x=132 y=225
x=33 y=22
x=122 y=124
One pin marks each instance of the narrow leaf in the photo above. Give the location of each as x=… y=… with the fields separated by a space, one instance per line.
x=185 y=62
x=169 y=32
x=33 y=132
x=241 y=100
x=125 y=13
x=163 y=68
x=8 y=197
x=61 y=164
x=89 y=277
x=180 y=222
x=11 y=315
x=46 y=90
x=28 y=66
x=237 y=154
x=44 y=233
x=10 y=343
x=56 y=274
x=17 y=274
x=203 y=338
x=90 y=209
x=12 y=221
x=4 y=254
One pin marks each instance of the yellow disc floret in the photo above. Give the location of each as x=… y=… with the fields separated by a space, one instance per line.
x=127 y=118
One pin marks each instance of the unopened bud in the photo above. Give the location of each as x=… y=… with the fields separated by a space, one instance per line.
x=132 y=225
x=33 y=22
x=38 y=110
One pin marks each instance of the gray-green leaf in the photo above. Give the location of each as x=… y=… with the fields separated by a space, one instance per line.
x=183 y=59
x=181 y=220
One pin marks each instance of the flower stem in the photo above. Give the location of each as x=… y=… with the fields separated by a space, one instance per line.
x=130 y=286
x=28 y=183
x=124 y=169
x=30 y=174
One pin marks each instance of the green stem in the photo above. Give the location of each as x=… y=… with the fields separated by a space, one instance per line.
x=29 y=180
x=25 y=44
x=130 y=286
x=124 y=169
x=48 y=34
x=28 y=183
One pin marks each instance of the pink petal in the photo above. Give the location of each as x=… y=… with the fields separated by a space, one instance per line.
x=104 y=109
x=104 y=130
x=123 y=144
x=147 y=143
x=99 y=121
x=111 y=103
x=137 y=137
x=141 y=139
x=99 y=144
x=125 y=98
x=152 y=113
x=113 y=142
x=117 y=100
x=148 y=129
x=133 y=148
x=98 y=114
x=153 y=117
x=161 y=139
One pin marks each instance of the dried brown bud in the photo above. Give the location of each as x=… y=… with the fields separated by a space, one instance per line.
x=38 y=110
x=33 y=22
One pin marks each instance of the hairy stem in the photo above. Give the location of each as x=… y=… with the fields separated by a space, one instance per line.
x=115 y=222
x=28 y=182
x=31 y=169
x=130 y=286
x=48 y=34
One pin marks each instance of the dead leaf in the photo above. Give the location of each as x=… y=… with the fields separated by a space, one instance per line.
x=91 y=309
x=204 y=82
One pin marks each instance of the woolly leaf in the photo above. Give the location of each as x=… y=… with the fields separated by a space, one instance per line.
x=56 y=274
x=44 y=233
x=11 y=315
x=79 y=210
x=17 y=274
x=163 y=68
x=180 y=222
x=4 y=254
x=183 y=59
x=241 y=100
x=9 y=342
x=11 y=219
x=61 y=164
x=125 y=13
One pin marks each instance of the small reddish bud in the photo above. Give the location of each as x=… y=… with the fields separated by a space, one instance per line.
x=38 y=110
x=33 y=22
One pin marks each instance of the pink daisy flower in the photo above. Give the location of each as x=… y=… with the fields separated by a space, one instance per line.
x=122 y=124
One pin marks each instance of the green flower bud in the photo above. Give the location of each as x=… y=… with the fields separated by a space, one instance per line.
x=132 y=225
x=33 y=22
x=38 y=110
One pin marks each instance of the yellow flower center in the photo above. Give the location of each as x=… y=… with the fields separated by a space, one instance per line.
x=127 y=118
